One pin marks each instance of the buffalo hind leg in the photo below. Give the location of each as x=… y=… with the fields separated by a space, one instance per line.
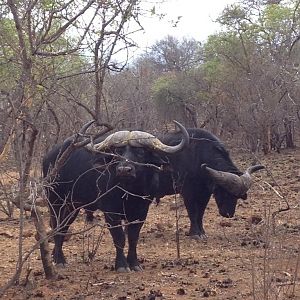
x=118 y=236
x=61 y=219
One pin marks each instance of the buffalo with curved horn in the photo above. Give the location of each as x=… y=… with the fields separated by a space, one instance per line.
x=139 y=139
x=202 y=169
x=118 y=174
x=234 y=184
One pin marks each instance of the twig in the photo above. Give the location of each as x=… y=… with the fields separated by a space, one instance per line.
x=279 y=193
x=281 y=197
x=296 y=271
x=27 y=276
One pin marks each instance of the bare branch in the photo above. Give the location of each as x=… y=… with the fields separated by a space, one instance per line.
x=62 y=29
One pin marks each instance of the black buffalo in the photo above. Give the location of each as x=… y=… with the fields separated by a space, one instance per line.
x=200 y=170
x=119 y=175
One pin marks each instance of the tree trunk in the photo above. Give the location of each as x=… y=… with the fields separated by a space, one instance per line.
x=289 y=133
x=49 y=269
x=267 y=140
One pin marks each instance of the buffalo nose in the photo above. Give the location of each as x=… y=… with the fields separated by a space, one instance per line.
x=125 y=171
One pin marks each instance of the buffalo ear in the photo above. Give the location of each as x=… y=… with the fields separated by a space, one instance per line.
x=244 y=197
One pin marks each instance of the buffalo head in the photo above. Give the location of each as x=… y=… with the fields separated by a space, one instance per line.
x=136 y=154
x=229 y=187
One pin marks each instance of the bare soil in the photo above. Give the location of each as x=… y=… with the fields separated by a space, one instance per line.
x=252 y=256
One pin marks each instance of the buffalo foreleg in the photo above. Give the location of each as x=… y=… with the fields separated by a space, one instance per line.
x=118 y=236
x=195 y=203
x=136 y=213
x=133 y=231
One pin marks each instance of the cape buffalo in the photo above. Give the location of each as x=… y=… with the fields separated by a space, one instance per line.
x=118 y=175
x=200 y=170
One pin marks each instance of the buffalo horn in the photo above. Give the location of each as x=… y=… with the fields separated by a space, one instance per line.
x=117 y=139
x=234 y=184
x=141 y=139
x=85 y=127
x=75 y=137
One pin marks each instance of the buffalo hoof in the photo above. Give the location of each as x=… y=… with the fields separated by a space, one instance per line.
x=123 y=270
x=195 y=237
x=203 y=236
x=198 y=237
x=60 y=265
x=137 y=268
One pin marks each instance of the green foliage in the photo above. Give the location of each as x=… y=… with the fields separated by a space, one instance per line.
x=275 y=16
x=223 y=52
x=276 y=23
x=48 y=5
x=212 y=69
x=164 y=89
x=234 y=17
x=47 y=67
x=178 y=88
x=8 y=36
x=252 y=34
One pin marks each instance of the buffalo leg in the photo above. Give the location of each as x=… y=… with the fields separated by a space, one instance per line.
x=133 y=237
x=195 y=204
x=118 y=236
x=133 y=230
x=61 y=219
x=89 y=216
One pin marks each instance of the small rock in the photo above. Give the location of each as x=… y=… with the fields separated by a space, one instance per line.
x=207 y=292
x=39 y=294
x=169 y=225
x=287 y=274
x=225 y=223
x=160 y=227
x=159 y=235
x=38 y=273
x=295 y=189
x=181 y=291
x=7 y=234
x=153 y=294
x=255 y=219
x=244 y=243
x=222 y=271
x=28 y=234
x=226 y=283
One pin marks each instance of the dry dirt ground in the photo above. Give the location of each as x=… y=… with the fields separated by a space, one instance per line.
x=252 y=256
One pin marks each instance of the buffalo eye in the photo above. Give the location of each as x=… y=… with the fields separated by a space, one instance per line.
x=118 y=150
x=139 y=152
